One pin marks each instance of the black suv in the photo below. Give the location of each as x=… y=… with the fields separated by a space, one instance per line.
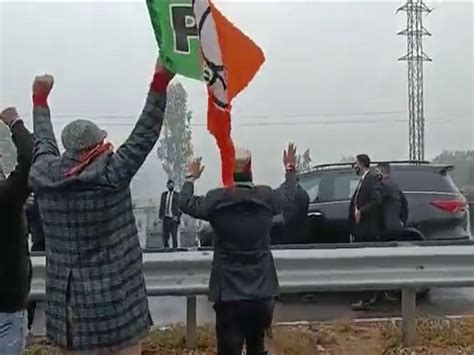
x=437 y=209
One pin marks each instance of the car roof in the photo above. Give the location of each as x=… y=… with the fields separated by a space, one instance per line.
x=395 y=164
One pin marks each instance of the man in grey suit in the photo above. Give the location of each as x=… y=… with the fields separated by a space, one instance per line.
x=243 y=280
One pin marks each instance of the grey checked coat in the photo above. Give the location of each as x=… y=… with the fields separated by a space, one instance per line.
x=94 y=260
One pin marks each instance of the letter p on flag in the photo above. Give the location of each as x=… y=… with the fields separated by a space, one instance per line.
x=196 y=40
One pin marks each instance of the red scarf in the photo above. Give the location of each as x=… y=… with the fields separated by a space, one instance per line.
x=88 y=156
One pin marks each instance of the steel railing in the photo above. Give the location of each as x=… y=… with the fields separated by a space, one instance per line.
x=300 y=270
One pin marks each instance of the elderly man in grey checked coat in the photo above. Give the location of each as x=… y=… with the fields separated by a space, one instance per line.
x=96 y=301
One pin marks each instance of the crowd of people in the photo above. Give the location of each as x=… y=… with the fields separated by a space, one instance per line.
x=96 y=301
x=78 y=204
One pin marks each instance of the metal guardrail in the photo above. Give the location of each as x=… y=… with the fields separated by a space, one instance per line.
x=186 y=273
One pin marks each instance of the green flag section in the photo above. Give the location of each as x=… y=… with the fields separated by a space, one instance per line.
x=176 y=31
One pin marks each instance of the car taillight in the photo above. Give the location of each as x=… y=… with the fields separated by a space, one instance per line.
x=452 y=206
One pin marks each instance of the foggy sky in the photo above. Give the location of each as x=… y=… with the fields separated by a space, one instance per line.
x=322 y=58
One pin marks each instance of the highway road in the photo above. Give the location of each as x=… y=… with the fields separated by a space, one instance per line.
x=319 y=307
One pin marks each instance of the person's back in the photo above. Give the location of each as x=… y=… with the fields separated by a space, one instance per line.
x=15 y=267
x=243 y=280
x=296 y=218
x=94 y=260
x=241 y=221
x=394 y=204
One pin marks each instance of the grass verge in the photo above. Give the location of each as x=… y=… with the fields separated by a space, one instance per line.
x=435 y=337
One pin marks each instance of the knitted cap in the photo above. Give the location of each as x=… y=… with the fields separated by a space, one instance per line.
x=81 y=134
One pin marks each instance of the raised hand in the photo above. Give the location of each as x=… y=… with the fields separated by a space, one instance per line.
x=195 y=168
x=9 y=115
x=43 y=85
x=289 y=156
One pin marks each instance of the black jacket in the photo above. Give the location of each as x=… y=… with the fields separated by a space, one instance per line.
x=368 y=199
x=394 y=208
x=242 y=267
x=296 y=216
x=15 y=266
x=175 y=210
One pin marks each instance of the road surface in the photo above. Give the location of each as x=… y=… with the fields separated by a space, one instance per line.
x=320 y=307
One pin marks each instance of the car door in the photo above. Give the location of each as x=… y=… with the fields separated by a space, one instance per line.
x=328 y=211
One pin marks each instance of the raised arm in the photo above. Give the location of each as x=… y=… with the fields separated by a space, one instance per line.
x=131 y=155
x=45 y=140
x=286 y=193
x=195 y=206
x=16 y=183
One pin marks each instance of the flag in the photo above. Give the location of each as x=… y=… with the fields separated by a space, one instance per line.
x=198 y=41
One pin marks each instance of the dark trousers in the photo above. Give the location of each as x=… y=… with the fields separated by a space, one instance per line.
x=242 y=321
x=31 y=313
x=38 y=245
x=170 y=228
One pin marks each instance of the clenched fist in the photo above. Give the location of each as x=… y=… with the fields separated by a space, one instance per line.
x=9 y=115
x=43 y=84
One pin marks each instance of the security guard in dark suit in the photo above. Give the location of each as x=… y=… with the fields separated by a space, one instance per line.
x=394 y=204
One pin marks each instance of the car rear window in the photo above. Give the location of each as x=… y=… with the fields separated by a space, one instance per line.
x=340 y=185
x=424 y=180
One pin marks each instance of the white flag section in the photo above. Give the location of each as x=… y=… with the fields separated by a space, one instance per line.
x=214 y=71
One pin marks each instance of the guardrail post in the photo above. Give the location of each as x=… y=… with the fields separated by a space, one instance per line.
x=409 y=316
x=191 y=322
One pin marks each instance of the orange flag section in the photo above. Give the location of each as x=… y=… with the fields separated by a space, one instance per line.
x=242 y=58
x=219 y=125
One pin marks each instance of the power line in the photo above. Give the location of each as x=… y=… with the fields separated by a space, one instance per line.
x=258 y=116
x=102 y=119
x=288 y=123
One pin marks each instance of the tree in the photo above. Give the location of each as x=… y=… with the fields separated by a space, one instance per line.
x=7 y=149
x=303 y=162
x=175 y=148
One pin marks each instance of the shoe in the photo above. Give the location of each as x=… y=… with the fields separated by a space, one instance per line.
x=364 y=305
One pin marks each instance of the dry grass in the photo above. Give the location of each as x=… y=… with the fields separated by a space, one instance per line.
x=435 y=337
